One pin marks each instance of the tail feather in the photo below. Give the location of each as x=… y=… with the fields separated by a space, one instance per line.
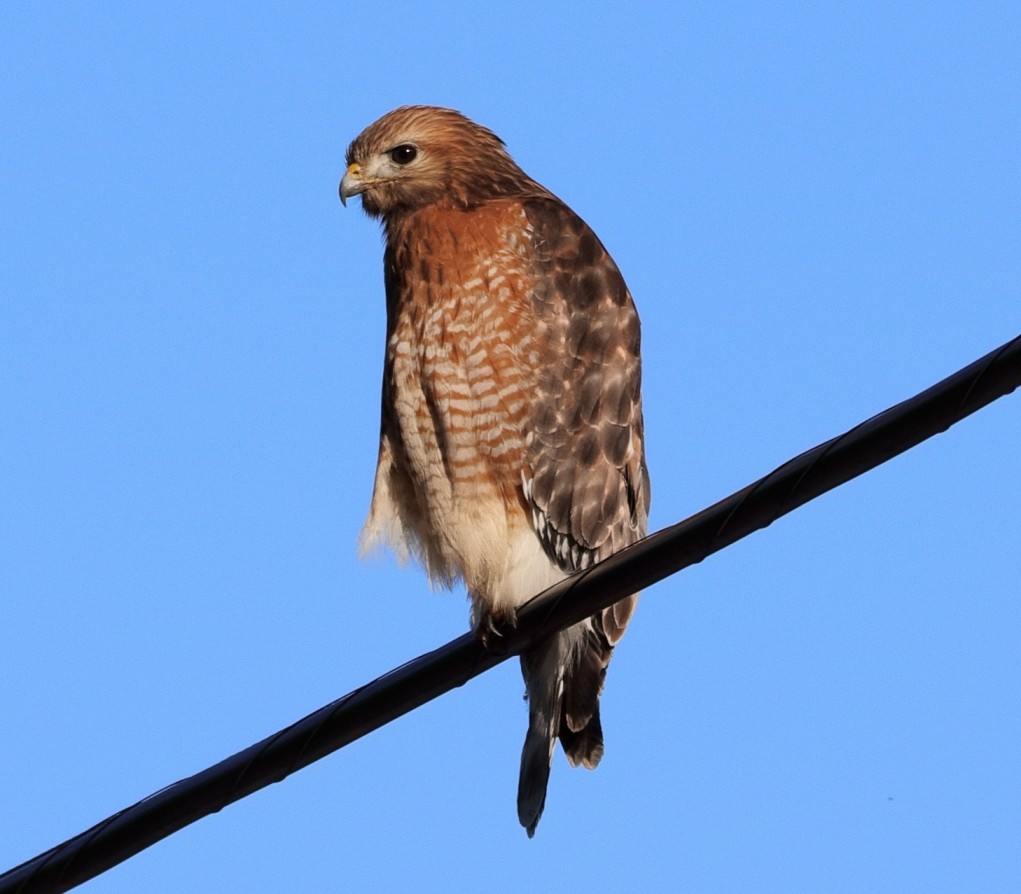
x=536 y=757
x=584 y=747
x=583 y=681
x=563 y=680
x=543 y=669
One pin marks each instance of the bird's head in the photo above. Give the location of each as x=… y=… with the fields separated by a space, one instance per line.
x=420 y=155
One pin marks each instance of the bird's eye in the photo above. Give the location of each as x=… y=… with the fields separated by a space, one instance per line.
x=404 y=154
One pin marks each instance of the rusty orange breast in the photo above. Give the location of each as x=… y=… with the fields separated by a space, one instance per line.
x=462 y=353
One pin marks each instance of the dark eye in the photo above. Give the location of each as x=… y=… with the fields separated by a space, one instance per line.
x=404 y=154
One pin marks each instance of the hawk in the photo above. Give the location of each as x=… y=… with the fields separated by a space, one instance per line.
x=511 y=449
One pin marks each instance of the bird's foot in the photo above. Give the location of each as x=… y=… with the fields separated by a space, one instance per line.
x=492 y=628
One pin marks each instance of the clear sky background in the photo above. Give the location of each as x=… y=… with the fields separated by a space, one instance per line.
x=818 y=210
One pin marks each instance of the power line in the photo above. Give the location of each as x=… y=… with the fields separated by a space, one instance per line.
x=796 y=482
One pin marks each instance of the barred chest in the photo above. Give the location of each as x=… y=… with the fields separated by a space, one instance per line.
x=460 y=363
x=461 y=359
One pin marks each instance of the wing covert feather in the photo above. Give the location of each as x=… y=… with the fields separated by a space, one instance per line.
x=585 y=474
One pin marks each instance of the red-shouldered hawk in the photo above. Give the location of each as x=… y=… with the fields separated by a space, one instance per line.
x=511 y=447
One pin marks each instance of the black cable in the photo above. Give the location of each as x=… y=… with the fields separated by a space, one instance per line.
x=796 y=482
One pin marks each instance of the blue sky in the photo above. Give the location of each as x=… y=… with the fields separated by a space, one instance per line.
x=818 y=210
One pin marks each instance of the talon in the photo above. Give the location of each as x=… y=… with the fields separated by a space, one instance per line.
x=491 y=630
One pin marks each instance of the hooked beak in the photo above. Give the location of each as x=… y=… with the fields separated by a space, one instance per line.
x=351 y=183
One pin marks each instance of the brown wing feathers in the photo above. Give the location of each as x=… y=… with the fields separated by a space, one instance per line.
x=584 y=456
